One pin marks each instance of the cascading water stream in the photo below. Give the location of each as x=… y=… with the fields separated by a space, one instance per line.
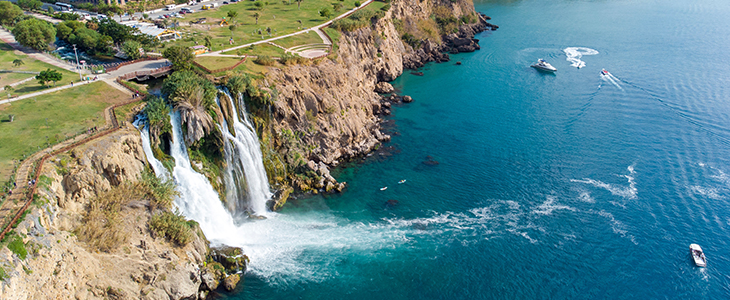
x=243 y=154
x=198 y=200
x=157 y=166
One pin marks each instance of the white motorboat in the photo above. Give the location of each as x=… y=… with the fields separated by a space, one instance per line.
x=543 y=65
x=698 y=255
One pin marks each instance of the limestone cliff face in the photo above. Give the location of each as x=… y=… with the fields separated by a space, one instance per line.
x=328 y=112
x=59 y=266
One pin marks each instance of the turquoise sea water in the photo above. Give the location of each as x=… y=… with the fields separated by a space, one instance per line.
x=526 y=185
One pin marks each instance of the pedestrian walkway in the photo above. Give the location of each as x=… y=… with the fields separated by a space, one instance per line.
x=51 y=90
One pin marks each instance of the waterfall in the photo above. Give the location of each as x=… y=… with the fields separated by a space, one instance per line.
x=245 y=176
x=156 y=164
x=198 y=200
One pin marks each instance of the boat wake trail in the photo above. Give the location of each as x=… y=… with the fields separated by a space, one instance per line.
x=608 y=77
x=574 y=55
x=629 y=192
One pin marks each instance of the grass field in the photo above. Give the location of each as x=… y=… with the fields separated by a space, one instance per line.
x=217 y=62
x=300 y=39
x=7 y=55
x=260 y=49
x=48 y=119
x=281 y=18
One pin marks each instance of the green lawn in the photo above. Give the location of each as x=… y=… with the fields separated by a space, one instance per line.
x=281 y=18
x=300 y=39
x=7 y=55
x=260 y=49
x=217 y=62
x=51 y=118
x=8 y=78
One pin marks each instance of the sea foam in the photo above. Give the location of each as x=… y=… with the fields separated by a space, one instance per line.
x=574 y=55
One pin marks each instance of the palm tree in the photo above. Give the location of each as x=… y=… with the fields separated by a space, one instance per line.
x=257 y=15
x=190 y=101
x=18 y=63
x=299 y=4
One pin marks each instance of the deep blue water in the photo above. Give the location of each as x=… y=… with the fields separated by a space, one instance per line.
x=563 y=186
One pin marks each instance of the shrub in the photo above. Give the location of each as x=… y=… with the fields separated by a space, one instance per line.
x=291 y=59
x=160 y=192
x=357 y=3
x=385 y=7
x=357 y=20
x=102 y=227
x=172 y=226
x=264 y=60
x=17 y=246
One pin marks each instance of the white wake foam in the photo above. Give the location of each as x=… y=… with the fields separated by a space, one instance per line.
x=547 y=207
x=574 y=55
x=612 y=79
x=617 y=226
x=708 y=192
x=628 y=192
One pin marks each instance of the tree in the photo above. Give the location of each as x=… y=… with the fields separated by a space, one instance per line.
x=299 y=4
x=131 y=49
x=30 y=4
x=259 y=5
x=180 y=56
x=18 y=63
x=51 y=10
x=325 y=12
x=232 y=15
x=9 y=12
x=34 y=33
x=208 y=42
x=49 y=75
x=257 y=16
x=337 y=6
x=194 y=97
x=232 y=27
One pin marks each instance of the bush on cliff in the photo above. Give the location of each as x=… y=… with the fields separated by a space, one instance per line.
x=103 y=223
x=173 y=226
x=160 y=192
x=291 y=59
x=359 y=19
x=264 y=60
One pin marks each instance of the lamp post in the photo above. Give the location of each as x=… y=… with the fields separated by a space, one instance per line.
x=77 y=63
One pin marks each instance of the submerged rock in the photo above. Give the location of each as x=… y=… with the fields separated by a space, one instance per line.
x=231 y=282
x=417 y=73
x=407 y=99
x=231 y=258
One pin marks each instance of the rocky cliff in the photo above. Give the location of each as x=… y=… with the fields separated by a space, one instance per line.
x=60 y=265
x=329 y=112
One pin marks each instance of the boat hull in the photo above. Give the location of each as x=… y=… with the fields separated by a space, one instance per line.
x=542 y=68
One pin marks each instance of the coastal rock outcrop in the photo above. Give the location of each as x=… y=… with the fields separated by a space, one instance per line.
x=384 y=88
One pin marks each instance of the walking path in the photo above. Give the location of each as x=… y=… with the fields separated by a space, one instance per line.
x=51 y=90
x=315 y=28
x=22 y=195
x=22 y=81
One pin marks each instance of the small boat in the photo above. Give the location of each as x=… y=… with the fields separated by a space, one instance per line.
x=384 y=188
x=698 y=255
x=604 y=72
x=544 y=66
x=402 y=181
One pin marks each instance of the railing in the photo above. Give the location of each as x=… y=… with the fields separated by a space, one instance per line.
x=144 y=73
x=39 y=166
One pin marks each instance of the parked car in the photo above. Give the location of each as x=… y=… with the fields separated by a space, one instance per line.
x=225 y=2
x=170 y=6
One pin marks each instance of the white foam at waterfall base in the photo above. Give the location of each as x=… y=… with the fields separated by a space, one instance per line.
x=574 y=55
